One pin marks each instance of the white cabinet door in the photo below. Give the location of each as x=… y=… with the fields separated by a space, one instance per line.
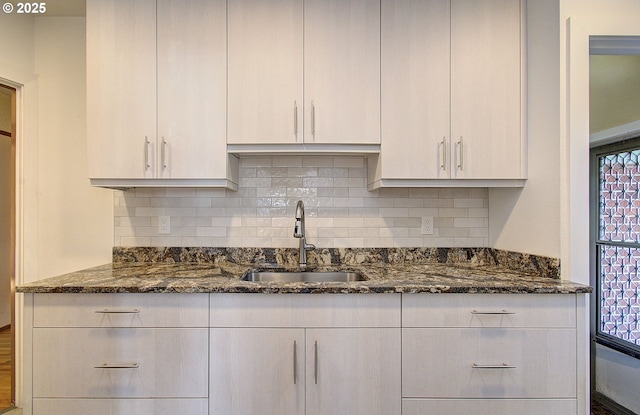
x=265 y=72
x=121 y=85
x=353 y=371
x=342 y=71
x=415 y=67
x=191 y=37
x=257 y=371
x=486 y=89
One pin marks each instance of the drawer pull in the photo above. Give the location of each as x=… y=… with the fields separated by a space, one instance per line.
x=118 y=366
x=502 y=366
x=107 y=311
x=500 y=312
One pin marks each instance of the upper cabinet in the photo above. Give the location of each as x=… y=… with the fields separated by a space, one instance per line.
x=452 y=94
x=156 y=93
x=303 y=74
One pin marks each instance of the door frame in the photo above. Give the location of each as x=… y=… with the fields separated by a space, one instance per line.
x=575 y=153
x=18 y=240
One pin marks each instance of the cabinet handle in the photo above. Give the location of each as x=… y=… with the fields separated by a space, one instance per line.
x=443 y=161
x=313 y=121
x=500 y=366
x=315 y=362
x=107 y=311
x=500 y=312
x=460 y=148
x=295 y=120
x=118 y=366
x=295 y=363
x=163 y=154
x=147 y=166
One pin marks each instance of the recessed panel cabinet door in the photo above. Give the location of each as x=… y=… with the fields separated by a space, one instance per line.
x=354 y=371
x=121 y=80
x=486 y=89
x=415 y=67
x=342 y=71
x=265 y=72
x=191 y=89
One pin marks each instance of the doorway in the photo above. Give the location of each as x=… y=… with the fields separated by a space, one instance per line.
x=7 y=244
x=615 y=220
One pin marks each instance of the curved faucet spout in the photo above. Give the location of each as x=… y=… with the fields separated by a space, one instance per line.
x=299 y=232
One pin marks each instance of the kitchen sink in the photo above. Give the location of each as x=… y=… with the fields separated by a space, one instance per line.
x=302 y=276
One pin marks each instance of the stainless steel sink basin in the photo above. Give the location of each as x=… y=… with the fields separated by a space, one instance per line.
x=302 y=276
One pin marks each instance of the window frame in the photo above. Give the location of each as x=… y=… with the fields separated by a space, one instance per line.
x=596 y=153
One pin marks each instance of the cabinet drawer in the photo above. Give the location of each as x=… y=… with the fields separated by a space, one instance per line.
x=295 y=310
x=119 y=406
x=488 y=310
x=141 y=363
x=488 y=406
x=121 y=310
x=489 y=363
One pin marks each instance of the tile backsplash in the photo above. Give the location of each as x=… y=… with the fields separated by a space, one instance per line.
x=340 y=212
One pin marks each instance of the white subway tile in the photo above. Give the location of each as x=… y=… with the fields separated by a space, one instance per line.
x=339 y=209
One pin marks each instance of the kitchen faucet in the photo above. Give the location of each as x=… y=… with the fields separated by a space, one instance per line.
x=298 y=232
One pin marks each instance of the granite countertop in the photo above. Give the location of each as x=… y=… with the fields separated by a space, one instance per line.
x=225 y=277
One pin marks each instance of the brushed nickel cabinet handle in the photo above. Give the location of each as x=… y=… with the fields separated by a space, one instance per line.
x=147 y=166
x=164 y=153
x=107 y=311
x=117 y=366
x=295 y=120
x=315 y=363
x=295 y=363
x=500 y=366
x=313 y=121
x=443 y=154
x=460 y=145
x=499 y=312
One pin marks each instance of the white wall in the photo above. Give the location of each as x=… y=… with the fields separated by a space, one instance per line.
x=75 y=225
x=65 y=224
x=528 y=219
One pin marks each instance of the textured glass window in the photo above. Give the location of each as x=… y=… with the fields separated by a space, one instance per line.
x=618 y=246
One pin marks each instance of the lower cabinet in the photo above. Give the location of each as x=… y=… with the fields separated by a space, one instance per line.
x=293 y=354
x=116 y=354
x=490 y=354
x=305 y=371
x=308 y=355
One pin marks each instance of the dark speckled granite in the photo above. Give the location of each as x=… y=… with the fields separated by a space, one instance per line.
x=200 y=270
x=288 y=257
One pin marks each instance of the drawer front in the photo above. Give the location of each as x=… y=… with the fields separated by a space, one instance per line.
x=488 y=310
x=121 y=310
x=488 y=406
x=119 y=406
x=295 y=310
x=489 y=363
x=120 y=362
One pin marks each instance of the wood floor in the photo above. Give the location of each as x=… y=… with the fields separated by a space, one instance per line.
x=5 y=369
